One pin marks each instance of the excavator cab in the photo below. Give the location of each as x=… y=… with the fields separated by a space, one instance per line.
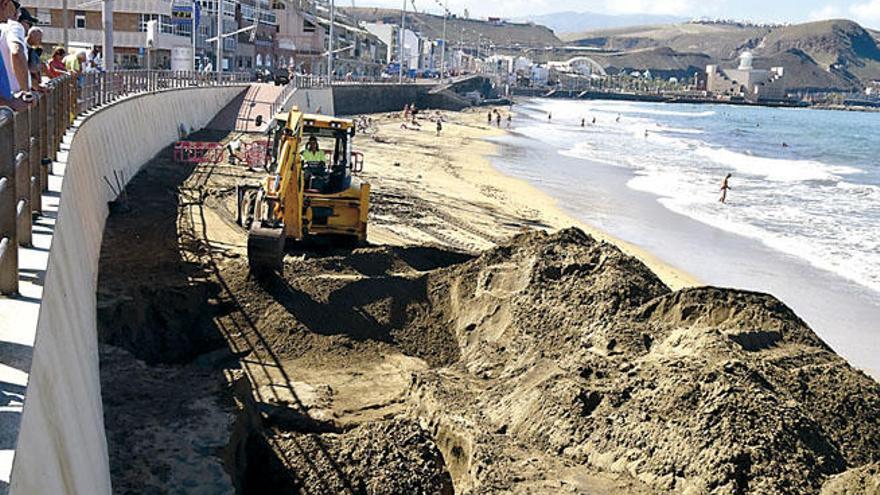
x=313 y=189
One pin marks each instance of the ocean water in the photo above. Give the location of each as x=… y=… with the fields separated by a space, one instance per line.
x=802 y=221
x=817 y=198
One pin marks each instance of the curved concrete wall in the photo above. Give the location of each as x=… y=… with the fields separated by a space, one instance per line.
x=61 y=445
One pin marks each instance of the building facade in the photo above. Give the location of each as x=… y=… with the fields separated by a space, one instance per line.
x=746 y=82
x=130 y=17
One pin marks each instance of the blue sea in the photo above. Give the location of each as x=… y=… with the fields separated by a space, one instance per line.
x=802 y=217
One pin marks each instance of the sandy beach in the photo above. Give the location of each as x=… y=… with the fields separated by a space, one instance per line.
x=461 y=199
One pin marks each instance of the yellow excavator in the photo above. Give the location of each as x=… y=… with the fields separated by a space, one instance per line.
x=309 y=193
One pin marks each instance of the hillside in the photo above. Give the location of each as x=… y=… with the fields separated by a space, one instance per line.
x=570 y=22
x=468 y=31
x=718 y=41
x=663 y=61
x=840 y=47
x=825 y=55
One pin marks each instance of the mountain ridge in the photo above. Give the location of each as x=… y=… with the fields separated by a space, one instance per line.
x=836 y=54
x=571 y=21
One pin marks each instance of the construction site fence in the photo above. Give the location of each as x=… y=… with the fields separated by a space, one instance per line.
x=31 y=139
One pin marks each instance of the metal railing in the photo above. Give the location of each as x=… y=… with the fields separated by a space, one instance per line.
x=30 y=140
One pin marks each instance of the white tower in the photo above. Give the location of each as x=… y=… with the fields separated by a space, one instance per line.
x=745 y=61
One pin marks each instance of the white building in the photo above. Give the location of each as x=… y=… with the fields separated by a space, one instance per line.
x=746 y=81
x=390 y=35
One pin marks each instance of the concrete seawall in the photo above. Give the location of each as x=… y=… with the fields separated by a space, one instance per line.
x=358 y=99
x=61 y=447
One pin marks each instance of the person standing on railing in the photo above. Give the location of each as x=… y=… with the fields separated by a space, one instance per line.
x=14 y=47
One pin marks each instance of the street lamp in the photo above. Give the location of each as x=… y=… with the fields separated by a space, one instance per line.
x=402 y=40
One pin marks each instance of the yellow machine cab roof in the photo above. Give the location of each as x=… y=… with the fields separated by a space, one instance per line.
x=318 y=120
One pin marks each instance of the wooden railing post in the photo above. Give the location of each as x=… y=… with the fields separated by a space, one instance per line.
x=22 y=178
x=35 y=156
x=45 y=149
x=8 y=238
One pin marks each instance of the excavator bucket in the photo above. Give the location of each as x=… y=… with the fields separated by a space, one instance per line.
x=265 y=249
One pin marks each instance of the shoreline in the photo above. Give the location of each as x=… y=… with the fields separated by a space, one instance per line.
x=700 y=101
x=457 y=177
x=464 y=158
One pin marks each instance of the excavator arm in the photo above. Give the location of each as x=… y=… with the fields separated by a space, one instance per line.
x=278 y=203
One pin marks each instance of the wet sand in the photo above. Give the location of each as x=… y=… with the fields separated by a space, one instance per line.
x=466 y=202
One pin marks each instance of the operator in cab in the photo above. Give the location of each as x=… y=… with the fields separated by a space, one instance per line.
x=315 y=165
x=313 y=156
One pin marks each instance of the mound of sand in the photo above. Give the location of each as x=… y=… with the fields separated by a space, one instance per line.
x=577 y=350
x=385 y=457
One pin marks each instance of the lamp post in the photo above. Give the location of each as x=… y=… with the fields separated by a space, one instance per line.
x=443 y=51
x=193 y=18
x=402 y=41
x=330 y=42
x=219 y=52
x=107 y=40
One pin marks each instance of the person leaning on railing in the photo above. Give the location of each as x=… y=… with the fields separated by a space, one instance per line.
x=14 y=75
x=35 y=52
x=55 y=66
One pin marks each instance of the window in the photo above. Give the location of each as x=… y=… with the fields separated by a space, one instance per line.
x=79 y=20
x=164 y=23
x=308 y=27
x=44 y=16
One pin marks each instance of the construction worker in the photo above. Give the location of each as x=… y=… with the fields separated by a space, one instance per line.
x=313 y=155
x=315 y=169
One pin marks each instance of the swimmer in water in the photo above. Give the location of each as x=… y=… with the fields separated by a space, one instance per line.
x=725 y=186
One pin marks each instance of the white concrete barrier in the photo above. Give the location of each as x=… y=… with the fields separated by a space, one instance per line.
x=313 y=100
x=61 y=447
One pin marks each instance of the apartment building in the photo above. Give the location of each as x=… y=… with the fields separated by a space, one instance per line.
x=84 y=28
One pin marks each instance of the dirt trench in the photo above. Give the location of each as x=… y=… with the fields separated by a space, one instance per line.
x=215 y=382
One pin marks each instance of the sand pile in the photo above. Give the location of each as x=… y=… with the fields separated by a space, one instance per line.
x=580 y=352
x=394 y=456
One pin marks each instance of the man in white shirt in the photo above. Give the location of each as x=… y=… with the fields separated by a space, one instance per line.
x=14 y=47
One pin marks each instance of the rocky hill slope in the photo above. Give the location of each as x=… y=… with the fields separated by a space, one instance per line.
x=825 y=55
x=468 y=31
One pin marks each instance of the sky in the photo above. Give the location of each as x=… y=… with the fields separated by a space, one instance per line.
x=866 y=12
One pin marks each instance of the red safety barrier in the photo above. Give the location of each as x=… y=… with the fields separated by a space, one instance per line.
x=198 y=152
x=255 y=153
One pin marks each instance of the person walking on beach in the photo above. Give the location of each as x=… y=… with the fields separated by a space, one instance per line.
x=725 y=186
x=549 y=116
x=509 y=118
x=583 y=122
x=594 y=120
x=498 y=119
x=439 y=126
x=489 y=118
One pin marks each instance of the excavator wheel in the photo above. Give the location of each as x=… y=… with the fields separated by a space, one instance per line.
x=265 y=249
